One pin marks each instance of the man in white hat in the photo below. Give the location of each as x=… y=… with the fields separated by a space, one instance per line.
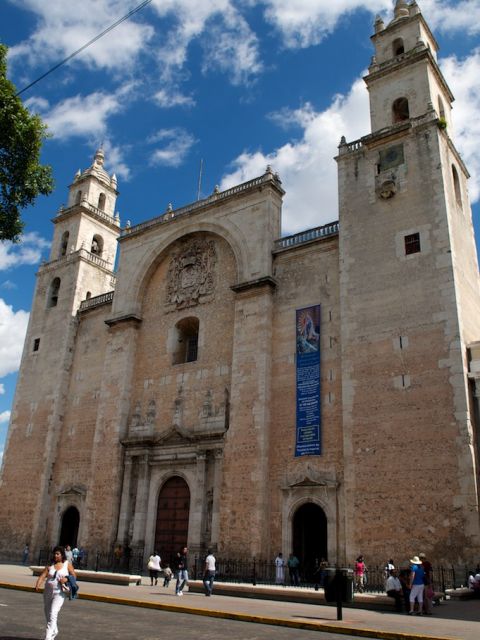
x=417 y=575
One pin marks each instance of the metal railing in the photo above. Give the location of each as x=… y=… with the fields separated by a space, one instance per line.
x=255 y=571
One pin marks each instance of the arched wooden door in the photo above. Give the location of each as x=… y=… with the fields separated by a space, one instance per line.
x=69 y=530
x=171 y=533
x=310 y=538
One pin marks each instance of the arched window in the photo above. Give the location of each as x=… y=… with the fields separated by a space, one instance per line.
x=88 y=296
x=456 y=186
x=53 y=292
x=101 y=201
x=97 y=245
x=64 y=243
x=78 y=197
x=400 y=110
x=398 y=47
x=186 y=341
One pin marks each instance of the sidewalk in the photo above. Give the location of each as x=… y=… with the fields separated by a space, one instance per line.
x=459 y=620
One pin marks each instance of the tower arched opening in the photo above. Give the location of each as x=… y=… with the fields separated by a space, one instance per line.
x=53 y=292
x=400 y=110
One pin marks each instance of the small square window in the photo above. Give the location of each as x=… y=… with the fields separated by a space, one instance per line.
x=412 y=244
x=36 y=344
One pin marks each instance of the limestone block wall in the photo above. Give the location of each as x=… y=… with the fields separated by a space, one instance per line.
x=306 y=275
x=180 y=390
x=400 y=347
x=73 y=468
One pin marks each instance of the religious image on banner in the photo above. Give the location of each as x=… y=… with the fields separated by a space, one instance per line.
x=308 y=432
x=308 y=330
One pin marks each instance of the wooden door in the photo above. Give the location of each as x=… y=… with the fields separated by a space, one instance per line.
x=173 y=511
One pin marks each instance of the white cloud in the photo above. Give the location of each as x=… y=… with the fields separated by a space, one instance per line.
x=4 y=417
x=27 y=251
x=13 y=327
x=303 y=23
x=178 y=143
x=63 y=27
x=85 y=116
x=115 y=160
x=168 y=99
x=445 y=16
x=2 y=389
x=306 y=166
x=8 y=284
x=462 y=76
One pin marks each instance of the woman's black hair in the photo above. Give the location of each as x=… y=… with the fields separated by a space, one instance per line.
x=62 y=551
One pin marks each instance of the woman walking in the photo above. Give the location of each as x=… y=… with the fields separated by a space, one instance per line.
x=154 y=567
x=56 y=589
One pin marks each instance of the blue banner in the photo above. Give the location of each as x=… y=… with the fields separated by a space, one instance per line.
x=308 y=436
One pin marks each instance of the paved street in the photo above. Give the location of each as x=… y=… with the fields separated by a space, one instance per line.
x=21 y=618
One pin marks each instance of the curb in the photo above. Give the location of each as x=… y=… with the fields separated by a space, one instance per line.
x=244 y=617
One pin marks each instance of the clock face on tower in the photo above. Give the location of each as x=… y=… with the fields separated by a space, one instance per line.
x=391 y=157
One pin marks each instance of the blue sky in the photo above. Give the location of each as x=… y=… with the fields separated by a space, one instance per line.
x=238 y=84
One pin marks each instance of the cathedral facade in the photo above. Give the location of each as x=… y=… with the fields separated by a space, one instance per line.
x=227 y=387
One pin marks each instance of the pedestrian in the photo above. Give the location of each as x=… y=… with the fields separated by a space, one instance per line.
x=404 y=578
x=182 y=571
x=359 y=574
x=393 y=587
x=279 y=569
x=26 y=553
x=56 y=590
x=429 y=591
x=293 y=563
x=153 y=567
x=209 y=573
x=417 y=575
x=69 y=553
x=75 y=553
x=118 y=555
x=167 y=575
x=389 y=566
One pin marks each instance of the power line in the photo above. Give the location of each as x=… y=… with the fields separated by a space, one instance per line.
x=100 y=35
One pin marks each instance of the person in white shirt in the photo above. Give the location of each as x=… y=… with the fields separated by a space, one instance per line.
x=209 y=573
x=393 y=588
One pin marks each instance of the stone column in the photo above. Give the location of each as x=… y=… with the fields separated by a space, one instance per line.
x=245 y=488
x=140 y=520
x=125 y=506
x=197 y=509
x=217 y=487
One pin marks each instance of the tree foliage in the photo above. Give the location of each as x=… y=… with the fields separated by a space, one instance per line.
x=22 y=177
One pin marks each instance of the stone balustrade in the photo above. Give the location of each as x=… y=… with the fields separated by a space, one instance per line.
x=324 y=231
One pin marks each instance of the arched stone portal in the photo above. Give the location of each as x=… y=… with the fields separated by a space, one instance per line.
x=310 y=541
x=69 y=529
x=171 y=533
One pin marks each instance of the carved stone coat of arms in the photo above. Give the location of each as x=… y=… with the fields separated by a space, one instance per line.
x=190 y=279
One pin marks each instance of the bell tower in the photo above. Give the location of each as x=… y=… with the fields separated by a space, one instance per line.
x=404 y=80
x=410 y=306
x=80 y=266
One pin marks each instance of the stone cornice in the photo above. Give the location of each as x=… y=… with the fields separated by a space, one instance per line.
x=88 y=209
x=124 y=319
x=267 y=180
x=418 y=54
x=267 y=281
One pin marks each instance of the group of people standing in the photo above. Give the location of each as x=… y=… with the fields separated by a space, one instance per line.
x=180 y=571
x=412 y=588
